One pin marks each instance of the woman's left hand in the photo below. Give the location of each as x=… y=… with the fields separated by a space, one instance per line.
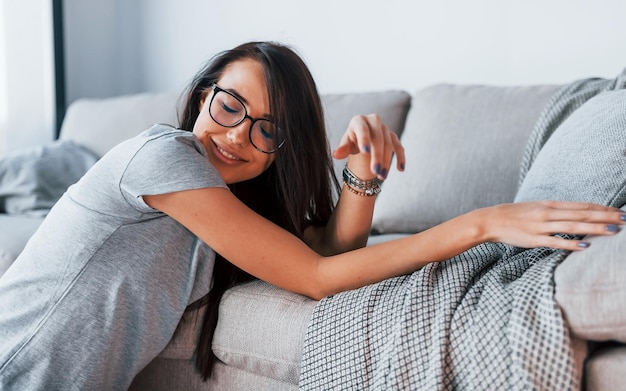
x=369 y=146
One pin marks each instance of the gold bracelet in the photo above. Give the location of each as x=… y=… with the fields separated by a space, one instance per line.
x=367 y=193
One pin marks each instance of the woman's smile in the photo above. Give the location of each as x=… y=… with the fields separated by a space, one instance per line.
x=226 y=155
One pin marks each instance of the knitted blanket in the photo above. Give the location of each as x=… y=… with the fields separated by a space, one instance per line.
x=485 y=319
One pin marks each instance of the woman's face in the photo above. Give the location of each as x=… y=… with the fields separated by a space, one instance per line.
x=229 y=149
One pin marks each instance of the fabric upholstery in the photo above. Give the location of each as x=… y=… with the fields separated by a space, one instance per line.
x=33 y=179
x=100 y=124
x=464 y=146
x=584 y=158
x=261 y=330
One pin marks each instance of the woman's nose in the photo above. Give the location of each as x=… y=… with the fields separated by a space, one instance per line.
x=239 y=134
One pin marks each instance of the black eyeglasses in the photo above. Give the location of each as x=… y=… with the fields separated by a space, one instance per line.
x=228 y=110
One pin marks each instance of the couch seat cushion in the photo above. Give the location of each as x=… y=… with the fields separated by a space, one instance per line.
x=261 y=330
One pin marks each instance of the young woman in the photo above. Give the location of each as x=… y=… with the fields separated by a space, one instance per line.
x=100 y=288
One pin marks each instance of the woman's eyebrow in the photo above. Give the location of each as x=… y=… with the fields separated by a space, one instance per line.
x=244 y=101
x=238 y=95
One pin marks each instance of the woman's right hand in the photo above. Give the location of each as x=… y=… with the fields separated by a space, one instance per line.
x=370 y=145
x=533 y=224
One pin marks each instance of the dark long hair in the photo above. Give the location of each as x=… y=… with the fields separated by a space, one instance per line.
x=298 y=188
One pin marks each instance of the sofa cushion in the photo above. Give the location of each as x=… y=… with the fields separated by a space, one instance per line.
x=100 y=124
x=584 y=160
x=261 y=330
x=33 y=179
x=464 y=145
x=392 y=107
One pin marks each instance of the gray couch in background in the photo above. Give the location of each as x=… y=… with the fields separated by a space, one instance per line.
x=464 y=145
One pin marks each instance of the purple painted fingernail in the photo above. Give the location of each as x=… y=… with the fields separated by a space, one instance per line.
x=384 y=173
x=402 y=168
x=378 y=168
x=584 y=244
x=366 y=148
x=612 y=228
x=622 y=217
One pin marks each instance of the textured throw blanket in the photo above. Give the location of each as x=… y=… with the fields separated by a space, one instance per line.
x=485 y=319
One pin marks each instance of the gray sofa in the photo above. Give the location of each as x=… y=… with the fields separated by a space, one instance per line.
x=464 y=146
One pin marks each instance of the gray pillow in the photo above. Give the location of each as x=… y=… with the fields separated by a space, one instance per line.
x=118 y=118
x=585 y=160
x=464 y=145
x=33 y=179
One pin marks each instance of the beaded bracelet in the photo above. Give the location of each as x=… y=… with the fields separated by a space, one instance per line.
x=366 y=193
x=358 y=186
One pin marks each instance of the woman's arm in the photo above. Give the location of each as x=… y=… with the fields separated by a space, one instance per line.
x=272 y=254
x=369 y=146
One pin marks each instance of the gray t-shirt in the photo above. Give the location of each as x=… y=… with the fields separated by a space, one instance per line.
x=100 y=288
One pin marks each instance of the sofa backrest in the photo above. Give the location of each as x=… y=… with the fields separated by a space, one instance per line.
x=99 y=124
x=464 y=146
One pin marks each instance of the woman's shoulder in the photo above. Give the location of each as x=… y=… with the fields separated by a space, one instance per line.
x=157 y=146
x=163 y=131
x=168 y=140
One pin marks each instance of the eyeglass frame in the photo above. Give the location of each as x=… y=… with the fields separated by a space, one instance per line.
x=217 y=89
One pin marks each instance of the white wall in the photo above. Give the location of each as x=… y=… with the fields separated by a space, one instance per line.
x=357 y=45
x=27 y=101
x=122 y=46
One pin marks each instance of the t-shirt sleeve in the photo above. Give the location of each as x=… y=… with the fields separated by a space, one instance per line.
x=168 y=163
